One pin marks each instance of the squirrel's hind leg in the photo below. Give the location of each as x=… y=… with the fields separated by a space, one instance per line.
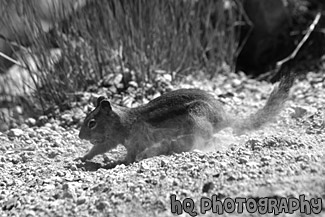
x=159 y=148
x=180 y=144
x=198 y=130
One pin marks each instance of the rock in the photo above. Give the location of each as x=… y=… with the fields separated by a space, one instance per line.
x=300 y=111
x=57 y=143
x=42 y=120
x=81 y=200
x=15 y=159
x=101 y=205
x=24 y=157
x=32 y=134
x=9 y=182
x=9 y=205
x=68 y=194
x=163 y=163
x=30 y=213
x=60 y=173
x=67 y=118
x=243 y=160
x=53 y=154
x=143 y=167
x=15 y=132
x=176 y=182
x=207 y=187
x=23 y=126
x=70 y=166
x=223 y=165
x=266 y=159
x=252 y=164
x=244 y=176
x=232 y=177
x=236 y=82
x=48 y=125
x=30 y=122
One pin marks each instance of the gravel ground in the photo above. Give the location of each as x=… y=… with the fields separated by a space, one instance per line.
x=39 y=176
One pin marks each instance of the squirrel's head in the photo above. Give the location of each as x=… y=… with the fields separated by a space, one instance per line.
x=102 y=125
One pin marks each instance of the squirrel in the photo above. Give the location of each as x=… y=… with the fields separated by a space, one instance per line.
x=170 y=123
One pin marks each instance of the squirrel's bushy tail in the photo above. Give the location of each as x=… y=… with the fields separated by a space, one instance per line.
x=270 y=110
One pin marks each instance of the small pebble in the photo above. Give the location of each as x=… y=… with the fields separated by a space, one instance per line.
x=252 y=164
x=81 y=200
x=163 y=163
x=67 y=194
x=60 y=173
x=102 y=205
x=48 y=125
x=31 y=122
x=9 y=182
x=73 y=167
x=57 y=143
x=207 y=187
x=266 y=158
x=143 y=167
x=15 y=132
x=53 y=154
x=243 y=160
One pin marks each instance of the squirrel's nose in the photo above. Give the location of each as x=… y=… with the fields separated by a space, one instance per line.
x=81 y=134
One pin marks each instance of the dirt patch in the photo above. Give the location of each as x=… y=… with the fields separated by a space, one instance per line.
x=39 y=176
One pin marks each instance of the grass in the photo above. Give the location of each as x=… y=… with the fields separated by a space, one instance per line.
x=119 y=36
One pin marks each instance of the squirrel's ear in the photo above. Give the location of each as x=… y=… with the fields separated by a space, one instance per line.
x=105 y=104
x=99 y=99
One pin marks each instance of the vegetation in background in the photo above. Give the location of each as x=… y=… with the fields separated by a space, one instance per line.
x=142 y=37
x=303 y=12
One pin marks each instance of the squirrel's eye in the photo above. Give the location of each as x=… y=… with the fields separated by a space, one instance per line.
x=91 y=123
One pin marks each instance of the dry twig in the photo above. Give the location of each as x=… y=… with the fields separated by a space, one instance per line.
x=279 y=65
